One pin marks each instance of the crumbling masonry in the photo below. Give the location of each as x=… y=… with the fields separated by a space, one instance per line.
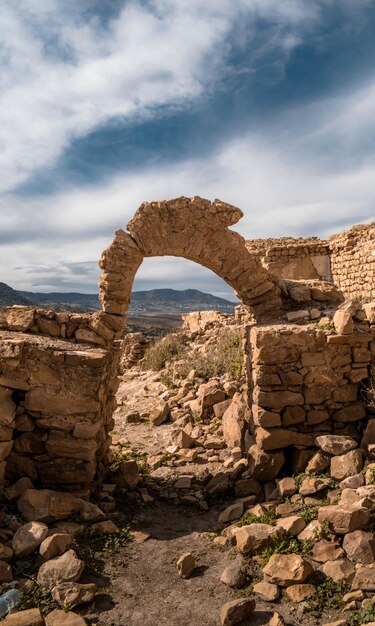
x=58 y=371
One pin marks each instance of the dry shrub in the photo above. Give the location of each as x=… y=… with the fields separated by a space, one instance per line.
x=368 y=392
x=225 y=355
x=168 y=348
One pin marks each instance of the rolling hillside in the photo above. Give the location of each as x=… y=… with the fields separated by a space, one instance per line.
x=144 y=302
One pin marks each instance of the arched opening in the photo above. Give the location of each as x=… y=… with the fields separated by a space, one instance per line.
x=165 y=288
x=197 y=230
x=182 y=398
x=179 y=273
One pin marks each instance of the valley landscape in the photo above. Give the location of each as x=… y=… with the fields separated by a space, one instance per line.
x=154 y=312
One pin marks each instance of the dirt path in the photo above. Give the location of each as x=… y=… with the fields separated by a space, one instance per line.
x=140 y=583
x=145 y=588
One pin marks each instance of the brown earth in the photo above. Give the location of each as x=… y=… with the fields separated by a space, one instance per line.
x=145 y=589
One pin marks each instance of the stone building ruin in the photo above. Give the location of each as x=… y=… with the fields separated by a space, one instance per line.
x=58 y=371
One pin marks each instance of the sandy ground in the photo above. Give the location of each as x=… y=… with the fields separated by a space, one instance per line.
x=141 y=586
x=145 y=587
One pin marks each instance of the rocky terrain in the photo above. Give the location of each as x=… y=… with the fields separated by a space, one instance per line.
x=182 y=532
x=224 y=474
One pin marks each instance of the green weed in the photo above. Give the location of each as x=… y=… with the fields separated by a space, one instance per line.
x=166 y=457
x=299 y=478
x=359 y=297
x=287 y=545
x=40 y=598
x=328 y=596
x=268 y=517
x=88 y=544
x=362 y=617
x=120 y=456
x=308 y=512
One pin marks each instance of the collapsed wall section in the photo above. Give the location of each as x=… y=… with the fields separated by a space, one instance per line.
x=347 y=259
x=294 y=258
x=97 y=329
x=352 y=256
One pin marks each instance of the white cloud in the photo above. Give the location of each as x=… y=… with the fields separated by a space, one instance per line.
x=351 y=122
x=64 y=75
x=141 y=62
x=279 y=197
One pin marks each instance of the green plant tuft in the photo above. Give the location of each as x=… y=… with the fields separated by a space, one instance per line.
x=328 y=596
x=362 y=617
x=268 y=517
x=308 y=512
x=120 y=456
x=88 y=544
x=287 y=545
x=40 y=598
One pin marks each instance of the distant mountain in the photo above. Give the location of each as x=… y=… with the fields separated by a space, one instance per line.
x=9 y=296
x=145 y=302
x=57 y=300
x=172 y=300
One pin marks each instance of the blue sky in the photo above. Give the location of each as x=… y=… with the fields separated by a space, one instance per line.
x=266 y=104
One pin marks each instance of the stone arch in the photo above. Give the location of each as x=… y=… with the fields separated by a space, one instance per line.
x=195 y=229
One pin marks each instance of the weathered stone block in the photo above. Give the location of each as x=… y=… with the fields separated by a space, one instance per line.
x=352 y=413
x=277 y=399
x=64 y=445
x=66 y=404
x=275 y=438
x=264 y=466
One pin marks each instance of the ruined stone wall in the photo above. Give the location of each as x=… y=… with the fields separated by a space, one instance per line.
x=58 y=371
x=306 y=381
x=201 y=321
x=347 y=258
x=353 y=261
x=58 y=377
x=294 y=258
x=133 y=350
x=56 y=406
x=98 y=329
